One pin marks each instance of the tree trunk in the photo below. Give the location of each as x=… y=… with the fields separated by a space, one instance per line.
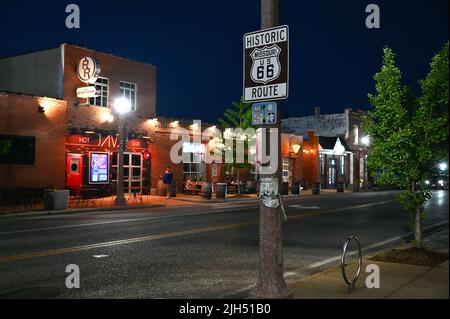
x=417 y=221
x=418 y=227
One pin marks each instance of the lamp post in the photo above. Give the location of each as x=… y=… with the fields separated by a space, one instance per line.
x=122 y=106
x=365 y=141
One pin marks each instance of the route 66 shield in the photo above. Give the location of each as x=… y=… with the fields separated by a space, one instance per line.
x=266 y=65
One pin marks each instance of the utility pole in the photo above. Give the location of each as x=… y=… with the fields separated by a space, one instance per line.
x=271 y=283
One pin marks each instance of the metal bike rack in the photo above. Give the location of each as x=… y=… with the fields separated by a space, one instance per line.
x=351 y=284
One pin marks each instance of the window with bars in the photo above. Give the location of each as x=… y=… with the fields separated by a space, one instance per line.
x=102 y=88
x=128 y=91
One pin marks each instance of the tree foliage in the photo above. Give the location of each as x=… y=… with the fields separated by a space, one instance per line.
x=407 y=132
x=240 y=116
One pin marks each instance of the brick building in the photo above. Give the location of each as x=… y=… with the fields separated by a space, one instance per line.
x=62 y=106
x=341 y=153
x=23 y=131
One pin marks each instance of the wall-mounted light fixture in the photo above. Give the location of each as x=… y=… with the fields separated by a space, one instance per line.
x=296 y=148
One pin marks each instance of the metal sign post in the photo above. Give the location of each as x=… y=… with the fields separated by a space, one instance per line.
x=265 y=79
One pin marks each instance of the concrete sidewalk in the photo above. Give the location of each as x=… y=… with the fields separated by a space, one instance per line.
x=397 y=281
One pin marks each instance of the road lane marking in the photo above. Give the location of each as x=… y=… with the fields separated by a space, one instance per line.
x=231 y=208
x=100 y=256
x=169 y=235
x=110 y=222
x=122 y=242
x=304 y=207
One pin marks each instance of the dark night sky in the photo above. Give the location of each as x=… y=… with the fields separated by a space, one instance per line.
x=197 y=45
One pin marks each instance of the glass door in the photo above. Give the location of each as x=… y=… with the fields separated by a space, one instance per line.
x=132 y=171
x=332 y=174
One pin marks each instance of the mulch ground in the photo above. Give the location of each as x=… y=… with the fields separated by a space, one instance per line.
x=418 y=256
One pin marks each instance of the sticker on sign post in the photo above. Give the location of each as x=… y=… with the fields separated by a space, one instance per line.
x=266 y=64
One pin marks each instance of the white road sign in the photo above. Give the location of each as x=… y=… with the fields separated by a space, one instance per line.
x=266 y=64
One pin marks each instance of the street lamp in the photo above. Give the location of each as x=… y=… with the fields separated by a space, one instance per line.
x=122 y=106
x=365 y=140
x=443 y=166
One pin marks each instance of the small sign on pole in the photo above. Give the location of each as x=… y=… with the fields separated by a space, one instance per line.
x=266 y=64
x=264 y=113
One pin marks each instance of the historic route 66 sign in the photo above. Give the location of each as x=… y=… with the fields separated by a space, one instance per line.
x=266 y=64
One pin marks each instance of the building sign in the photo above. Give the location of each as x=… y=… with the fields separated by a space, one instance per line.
x=266 y=64
x=107 y=142
x=98 y=168
x=88 y=69
x=264 y=113
x=86 y=92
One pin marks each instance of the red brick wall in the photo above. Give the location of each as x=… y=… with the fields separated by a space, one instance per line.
x=19 y=116
x=116 y=69
x=310 y=159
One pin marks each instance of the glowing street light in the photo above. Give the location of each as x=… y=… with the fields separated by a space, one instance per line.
x=122 y=106
x=365 y=140
x=443 y=166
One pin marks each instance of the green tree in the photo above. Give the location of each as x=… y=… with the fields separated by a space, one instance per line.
x=406 y=132
x=240 y=116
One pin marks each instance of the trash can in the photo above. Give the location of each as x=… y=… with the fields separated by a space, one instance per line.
x=173 y=189
x=295 y=189
x=207 y=190
x=251 y=187
x=56 y=199
x=221 y=191
x=340 y=187
x=160 y=188
x=285 y=188
x=316 y=188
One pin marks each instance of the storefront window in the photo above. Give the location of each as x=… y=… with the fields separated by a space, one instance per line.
x=342 y=165
x=18 y=150
x=193 y=161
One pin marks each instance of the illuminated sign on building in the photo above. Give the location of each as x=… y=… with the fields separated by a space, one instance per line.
x=98 y=168
x=88 y=69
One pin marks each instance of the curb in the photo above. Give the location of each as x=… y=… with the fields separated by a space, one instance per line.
x=79 y=211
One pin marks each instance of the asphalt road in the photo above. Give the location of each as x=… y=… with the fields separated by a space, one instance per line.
x=200 y=251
